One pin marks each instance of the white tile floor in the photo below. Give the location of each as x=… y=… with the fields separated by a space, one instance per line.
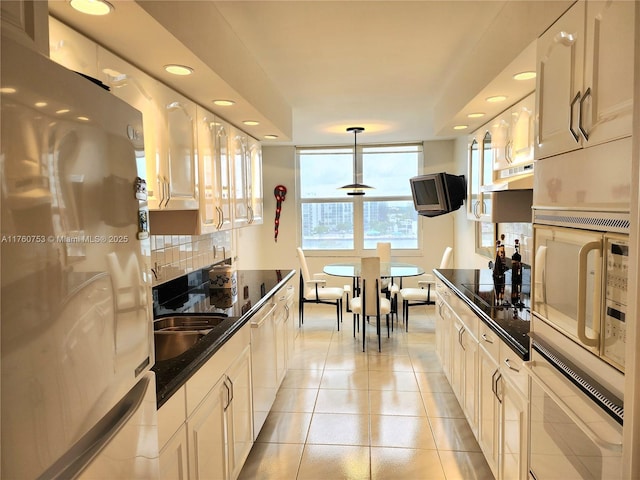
x=344 y=414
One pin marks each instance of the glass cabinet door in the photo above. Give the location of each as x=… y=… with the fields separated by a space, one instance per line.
x=473 y=194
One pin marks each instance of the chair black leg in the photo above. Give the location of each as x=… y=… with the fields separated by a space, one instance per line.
x=406 y=322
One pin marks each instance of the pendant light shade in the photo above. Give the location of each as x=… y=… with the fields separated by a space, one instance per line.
x=355 y=188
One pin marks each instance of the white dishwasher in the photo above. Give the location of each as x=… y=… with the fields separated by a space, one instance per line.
x=263 y=364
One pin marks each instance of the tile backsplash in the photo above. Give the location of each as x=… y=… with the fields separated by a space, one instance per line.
x=175 y=255
x=521 y=231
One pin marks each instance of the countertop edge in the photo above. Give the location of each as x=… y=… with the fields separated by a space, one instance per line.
x=168 y=389
x=504 y=335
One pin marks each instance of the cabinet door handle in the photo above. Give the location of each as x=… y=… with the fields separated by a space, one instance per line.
x=228 y=394
x=565 y=38
x=493 y=383
x=161 y=188
x=585 y=134
x=575 y=135
x=486 y=339
x=498 y=378
x=507 y=152
x=220 y=218
x=508 y=364
x=462 y=330
x=231 y=384
x=178 y=105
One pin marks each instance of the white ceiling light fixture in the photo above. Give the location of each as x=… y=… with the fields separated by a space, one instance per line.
x=181 y=70
x=476 y=115
x=224 y=103
x=355 y=188
x=92 y=7
x=496 y=99
x=524 y=76
x=271 y=137
x=251 y=123
x=460 y=127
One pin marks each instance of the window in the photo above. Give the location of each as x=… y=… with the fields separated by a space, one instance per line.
x=333 y=220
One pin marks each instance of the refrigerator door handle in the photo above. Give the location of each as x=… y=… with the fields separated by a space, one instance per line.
x=82 y=453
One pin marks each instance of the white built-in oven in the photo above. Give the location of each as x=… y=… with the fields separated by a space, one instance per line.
x=580 y=281
x=575 y=423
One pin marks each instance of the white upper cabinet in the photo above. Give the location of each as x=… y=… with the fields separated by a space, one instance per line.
x=137 y=89
x=26 y=21
x=246 y=156
x=72 y=50
x=239 y=155
x=585 y=77
x=214 y=173
x=255 y=188
x=178 y=161
x=480 y=174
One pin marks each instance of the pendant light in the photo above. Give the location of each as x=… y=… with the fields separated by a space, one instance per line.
x=355 y=188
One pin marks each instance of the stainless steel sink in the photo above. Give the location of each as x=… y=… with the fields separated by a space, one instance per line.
x=176 y=334
x=181 y=323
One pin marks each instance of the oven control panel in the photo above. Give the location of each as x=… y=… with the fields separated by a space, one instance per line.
x=615 y=308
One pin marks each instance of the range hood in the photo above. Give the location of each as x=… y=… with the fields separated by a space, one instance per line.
x=511 y=206
x=517 y=178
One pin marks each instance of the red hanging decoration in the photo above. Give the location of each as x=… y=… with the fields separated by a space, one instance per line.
x=279 y=192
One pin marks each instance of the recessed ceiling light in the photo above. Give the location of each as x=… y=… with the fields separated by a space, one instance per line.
x=251 y=123
x=224 y=103
x=8 y=90
x=83 y=118
x=496 y=99
x=460 y=127
x=92 y=7
x=178 y=69
x=40 y=104
x=476 y=115
x=271 y=137
x=524 y=76
x=61 y=111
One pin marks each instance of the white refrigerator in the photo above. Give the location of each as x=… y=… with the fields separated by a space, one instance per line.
x=77 y=393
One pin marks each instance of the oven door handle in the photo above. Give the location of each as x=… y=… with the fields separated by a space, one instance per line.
x=582 y=294
x=614 y=447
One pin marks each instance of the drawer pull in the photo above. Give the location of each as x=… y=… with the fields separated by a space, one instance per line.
x=508 y=364
x=486 y=339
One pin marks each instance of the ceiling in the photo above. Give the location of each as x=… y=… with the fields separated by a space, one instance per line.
x=306 y=70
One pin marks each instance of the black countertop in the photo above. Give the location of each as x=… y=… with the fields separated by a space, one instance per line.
x=476 y=288
x=196 y=295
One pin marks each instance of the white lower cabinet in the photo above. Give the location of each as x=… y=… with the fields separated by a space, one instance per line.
x=488 y=434
x=205 y=431
x=173 y=457
x=172 y=438
x=220 y=431
x=489 y=383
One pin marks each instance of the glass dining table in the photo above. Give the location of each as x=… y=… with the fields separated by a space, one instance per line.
x=387 y=269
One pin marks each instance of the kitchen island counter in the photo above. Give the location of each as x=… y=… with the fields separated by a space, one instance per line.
x=254 y=289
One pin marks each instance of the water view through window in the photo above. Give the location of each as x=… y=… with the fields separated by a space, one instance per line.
x=333 y=220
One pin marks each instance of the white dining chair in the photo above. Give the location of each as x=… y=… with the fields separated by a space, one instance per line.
x=412 y=296
x=389 y=287
x=314 y=290
x=370 y=301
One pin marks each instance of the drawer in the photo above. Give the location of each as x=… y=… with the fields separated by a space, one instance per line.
x=511 y=367
x=463 y=312
x=490 y=341
x=171 y=416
